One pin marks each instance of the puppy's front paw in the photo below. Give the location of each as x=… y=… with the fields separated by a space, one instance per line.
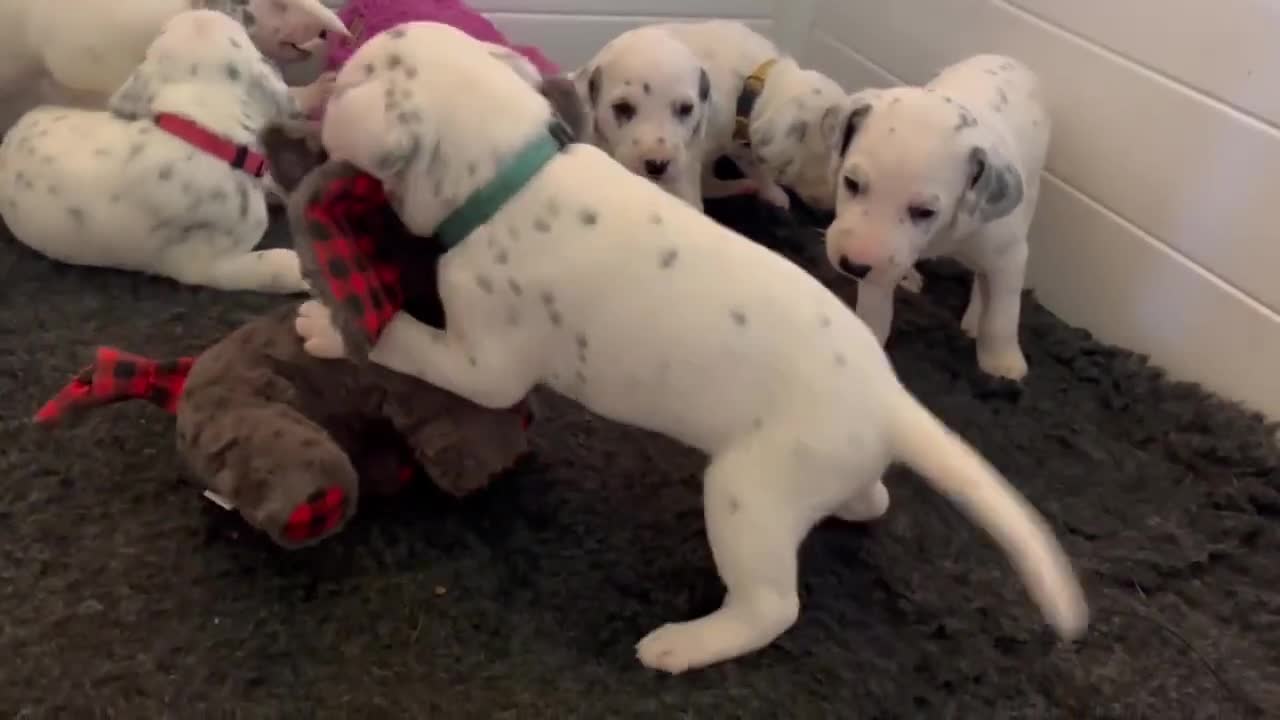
x=313 y=97
x=1006 y=361
x=320 y=337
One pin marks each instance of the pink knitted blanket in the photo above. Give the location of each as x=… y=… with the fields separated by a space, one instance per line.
x=366 y=18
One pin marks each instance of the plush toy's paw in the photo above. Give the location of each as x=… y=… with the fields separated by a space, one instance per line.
x=774 y=195
x=912 y=281
x=320 y=338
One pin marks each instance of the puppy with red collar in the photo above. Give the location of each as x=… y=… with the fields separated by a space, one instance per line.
x=168 y=181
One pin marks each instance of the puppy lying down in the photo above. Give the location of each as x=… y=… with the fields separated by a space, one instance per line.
x=168 y=181
x=564 y=269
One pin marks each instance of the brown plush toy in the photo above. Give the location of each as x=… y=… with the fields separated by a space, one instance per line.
x=290 y=440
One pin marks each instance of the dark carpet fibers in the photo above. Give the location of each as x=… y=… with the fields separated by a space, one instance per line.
x=125 y=594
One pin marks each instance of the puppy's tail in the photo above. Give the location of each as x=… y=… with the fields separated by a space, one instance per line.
x=956 y=470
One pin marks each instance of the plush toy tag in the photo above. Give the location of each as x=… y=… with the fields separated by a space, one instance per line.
x=218 y=500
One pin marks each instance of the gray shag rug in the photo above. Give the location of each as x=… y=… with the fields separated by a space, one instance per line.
x=123 y=593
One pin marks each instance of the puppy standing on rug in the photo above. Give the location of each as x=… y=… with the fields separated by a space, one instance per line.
x=949 y=169
x=667 y=100
x=566 y=270
x=168 y=181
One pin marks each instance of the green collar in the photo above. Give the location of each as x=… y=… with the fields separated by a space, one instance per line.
x=485 y=202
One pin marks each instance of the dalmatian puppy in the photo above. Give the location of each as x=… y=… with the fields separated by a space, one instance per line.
x=167 y=180
x=665 y=99
x=948 y=169
x=600 y=285
x=78 y=52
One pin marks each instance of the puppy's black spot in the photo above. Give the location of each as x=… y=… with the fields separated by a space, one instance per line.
x=588 y=217
x=514 y=285
x=394 y=60
x=647 y=89
x=668 y=258
x=841 y=360
x=824 y=320
x=798 y=130
x=500 y=257
x=166 y=173
x=734 y=505
x=396 y=33
x=485 y=283
x=233 y=72
x=77 y=215
x=541 y=225
x=757 y=423
x=656 y=219
x=739 y=317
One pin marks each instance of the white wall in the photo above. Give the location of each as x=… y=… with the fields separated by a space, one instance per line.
x=1154 y=228
x=571 y=31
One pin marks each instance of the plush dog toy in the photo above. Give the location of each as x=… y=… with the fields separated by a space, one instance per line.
x=289 y=440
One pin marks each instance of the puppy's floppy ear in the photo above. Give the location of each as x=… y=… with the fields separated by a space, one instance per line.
x=133 y=99
x=994 y=186
x=293 y=151
x=359 y=128
x=593 y=79
x=704 y=86
x=563 y=95
x=840 y=121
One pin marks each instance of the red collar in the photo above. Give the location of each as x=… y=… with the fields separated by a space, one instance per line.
x=239 y=157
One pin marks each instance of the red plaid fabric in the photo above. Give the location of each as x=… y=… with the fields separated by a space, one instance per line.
x=323 y=511
x=345 y=221
x=116 y=375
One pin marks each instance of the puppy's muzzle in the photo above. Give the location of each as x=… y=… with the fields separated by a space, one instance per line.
x=851 y=269
x=656 y=168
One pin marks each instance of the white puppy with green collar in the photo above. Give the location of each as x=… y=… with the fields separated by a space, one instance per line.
x=950 y=169
x=567 y=271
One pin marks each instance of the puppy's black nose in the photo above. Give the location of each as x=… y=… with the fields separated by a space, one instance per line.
x=656 y=168
x=324 y=34
x=858 y=271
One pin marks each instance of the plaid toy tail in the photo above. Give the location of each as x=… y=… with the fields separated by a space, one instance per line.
x=114 y=376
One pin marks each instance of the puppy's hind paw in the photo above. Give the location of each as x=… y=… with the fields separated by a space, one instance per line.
x=320 y=337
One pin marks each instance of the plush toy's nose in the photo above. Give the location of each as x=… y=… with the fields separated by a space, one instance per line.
x=656 y=168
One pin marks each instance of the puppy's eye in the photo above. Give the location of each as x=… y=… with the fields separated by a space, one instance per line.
x=920 y=214
x=624 y=111
x=853 y=186
x=684 y=110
